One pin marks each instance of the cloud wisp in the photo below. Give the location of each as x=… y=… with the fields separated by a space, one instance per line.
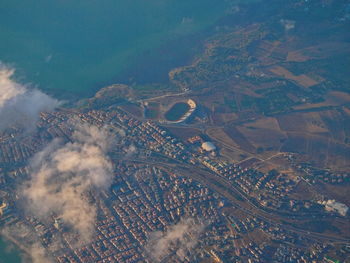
x=33 y=250
x=63 y=174
x=19 y=105
x=179 y=239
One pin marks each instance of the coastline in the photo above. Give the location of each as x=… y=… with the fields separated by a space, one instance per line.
x=11 y=250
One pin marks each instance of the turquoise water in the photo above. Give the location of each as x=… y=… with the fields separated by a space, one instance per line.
x=74 y=47
x=7 y=254
x=77 y=46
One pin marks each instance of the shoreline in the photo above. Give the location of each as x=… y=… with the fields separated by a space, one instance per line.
x=19 y=248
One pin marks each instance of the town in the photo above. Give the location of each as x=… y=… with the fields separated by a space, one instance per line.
x=160 y=181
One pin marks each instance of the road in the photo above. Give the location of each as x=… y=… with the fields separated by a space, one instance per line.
x=240 y=201
x=164 y=96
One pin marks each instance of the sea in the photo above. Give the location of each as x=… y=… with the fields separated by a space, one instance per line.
x=72 y=48
x=75 y=47
x=9 y=253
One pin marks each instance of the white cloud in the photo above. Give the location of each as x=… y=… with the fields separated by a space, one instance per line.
x=288 y=24
x=38 y=254
x=179 y=238
x=130 y=150
x=20 y=105
x=62 y=174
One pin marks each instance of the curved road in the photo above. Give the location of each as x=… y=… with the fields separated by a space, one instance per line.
x=224 y=188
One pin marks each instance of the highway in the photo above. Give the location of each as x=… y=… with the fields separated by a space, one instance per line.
x=224 y=188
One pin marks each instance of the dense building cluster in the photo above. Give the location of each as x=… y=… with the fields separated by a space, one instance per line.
x=148 y=198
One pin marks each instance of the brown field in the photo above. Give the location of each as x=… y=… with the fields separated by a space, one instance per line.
x=302 y=80
x=337 y=192
x=232 y=155
x=248 y=162
x=296 y=143
x=338 y=156
x=152 y=110
x=338 y=97
x=133 y=109
x=265 y=167
x=343 y=225
x=212 y=100
x=346 y=111
x=327 y=123
x=323 y=152
x=246 y=88
x=222 y=118
x=236 y=212
x=322 y=51
x=326 y=50
x=315 y=124
x=304 y=133
x=216 y=119
x=297 y=56
x=303 y=191
x=292 y=122
x=267 y=138
x=267 y=61
x=270 y=52
x=333 y=98
x=336 y=122
x=219 y=134
x=276 y=161
x=322 y=135
x=240 y=139
x=264 y=123
x=184 y=133
x=257 y=236
x=228 y=148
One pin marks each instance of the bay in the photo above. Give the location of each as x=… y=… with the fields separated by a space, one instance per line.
x=9 y=253
x=74 y=47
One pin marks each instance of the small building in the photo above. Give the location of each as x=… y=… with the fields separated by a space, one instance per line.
x=208 y=146
x=333 y=206
x=3 y=206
